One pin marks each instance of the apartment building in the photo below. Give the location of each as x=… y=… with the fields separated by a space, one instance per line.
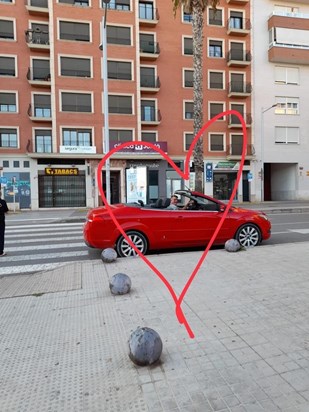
x=51 y=99
x=280 y=39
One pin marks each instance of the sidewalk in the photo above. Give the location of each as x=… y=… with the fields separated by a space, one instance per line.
x=64 y=336
x=79 y=215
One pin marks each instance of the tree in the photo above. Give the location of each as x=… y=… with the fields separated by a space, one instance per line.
x=197 y=8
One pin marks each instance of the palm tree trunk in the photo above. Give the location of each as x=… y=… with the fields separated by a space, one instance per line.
x=198 y=153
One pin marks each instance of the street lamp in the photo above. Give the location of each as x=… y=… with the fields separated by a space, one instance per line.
x=262 y=148
x=105 y=104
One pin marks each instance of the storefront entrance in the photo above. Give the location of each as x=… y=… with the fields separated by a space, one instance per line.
x=62 y=191
x=224 y=184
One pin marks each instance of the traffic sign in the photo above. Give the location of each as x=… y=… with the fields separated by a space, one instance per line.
x=250 y=177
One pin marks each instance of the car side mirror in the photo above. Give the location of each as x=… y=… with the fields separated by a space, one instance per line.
x=222 y=208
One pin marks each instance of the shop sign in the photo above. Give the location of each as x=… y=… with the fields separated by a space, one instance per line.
x=63 y=171
x=78 y=149
x=226 y=165
x=140 y=148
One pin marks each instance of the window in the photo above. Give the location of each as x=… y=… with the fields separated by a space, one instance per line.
x=74 y=31
x=7 y=66
x=42 y=105
x=237 y=84
x=8 y=103
x=75 y=67
x=26 y=163
x=118 y=35
x=216 y=142
x=123 y=5
x=76 y=102
x=84 y=3
x=121 y=136
x=76 y=137
x=215 y=48
x=15 y=163
x=215 y=17
x=148 y=44
x=237 y=52
x=119 y=70
x=188 y=46
x=40 y=69
x=146 y=10
x=120 y=104
x=188 y=140
x=188 y=78
x=7 y=30
x=236 y=20
x=8 y=138
x=287 y=105
x=148 y=77
x=216 y=80
x=189 y=110
x=6 y=1
x=286 y=75
x=186 y=17
x=287 y=135
x=149 y=137
x=39 y=34
x=240 y=108
x=6 y=163
x=215 y=109
x=236 y=144
x=148 y=111
x=43 y=141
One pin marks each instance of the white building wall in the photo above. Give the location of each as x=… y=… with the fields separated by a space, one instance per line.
x=289 y=161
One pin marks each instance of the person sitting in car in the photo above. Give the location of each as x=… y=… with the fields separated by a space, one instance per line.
x=191 y=205
x=173 y=203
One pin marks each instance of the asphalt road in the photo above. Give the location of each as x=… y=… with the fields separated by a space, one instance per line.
x=288 y=228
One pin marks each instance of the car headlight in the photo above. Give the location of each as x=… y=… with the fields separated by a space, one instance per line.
x=264 y=217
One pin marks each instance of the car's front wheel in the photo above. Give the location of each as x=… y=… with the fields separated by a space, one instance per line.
x=124 y=249
x=248 y=235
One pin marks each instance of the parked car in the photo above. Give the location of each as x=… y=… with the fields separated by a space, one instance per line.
x=154 y=227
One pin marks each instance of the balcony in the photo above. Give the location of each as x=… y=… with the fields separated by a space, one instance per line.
x=40 y=113
x=149 y=50
x=234 y=121
x=234 y=151
x=39 y=77
x=150 y=116
x=239 y=89
x=37 y=40
x=149 y=84
x=239 y=58
x=238 y=26
x=148 y=15
x=239 y=2
x=37 y=7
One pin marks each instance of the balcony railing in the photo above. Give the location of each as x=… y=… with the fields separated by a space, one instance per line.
x=37 y=37
x=149 y=47
x=117 y=5
x=42 y=112
x=236 y=87
x=38 y=74
x=234 y=121
x=239 y=56
x=151 y=115
x=149 y=81
x=148 y=13
x=236 y=150
x=238 y=24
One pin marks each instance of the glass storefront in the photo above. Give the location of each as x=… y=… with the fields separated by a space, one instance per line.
x=223 y=184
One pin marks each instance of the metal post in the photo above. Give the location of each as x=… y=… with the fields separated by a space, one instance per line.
x=105 y=104
x=262 y=148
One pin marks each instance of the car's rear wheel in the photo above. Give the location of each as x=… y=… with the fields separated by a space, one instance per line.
x=248 y=235
x=124 y=249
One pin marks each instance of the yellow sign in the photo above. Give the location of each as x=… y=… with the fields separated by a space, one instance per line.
x=65 y=171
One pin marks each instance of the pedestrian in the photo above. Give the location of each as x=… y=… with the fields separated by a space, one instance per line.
x=3 y=210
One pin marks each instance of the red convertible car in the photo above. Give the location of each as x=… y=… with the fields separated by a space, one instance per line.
x=156 y=227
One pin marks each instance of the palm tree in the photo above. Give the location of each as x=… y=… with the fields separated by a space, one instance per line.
x=197 y=8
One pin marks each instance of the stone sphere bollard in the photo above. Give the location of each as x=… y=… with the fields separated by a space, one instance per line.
x=145 y=346
x=232 y=245
x=120 y=284
x=108 y=255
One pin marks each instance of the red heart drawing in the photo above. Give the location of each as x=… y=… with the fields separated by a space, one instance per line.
x=185 y=175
